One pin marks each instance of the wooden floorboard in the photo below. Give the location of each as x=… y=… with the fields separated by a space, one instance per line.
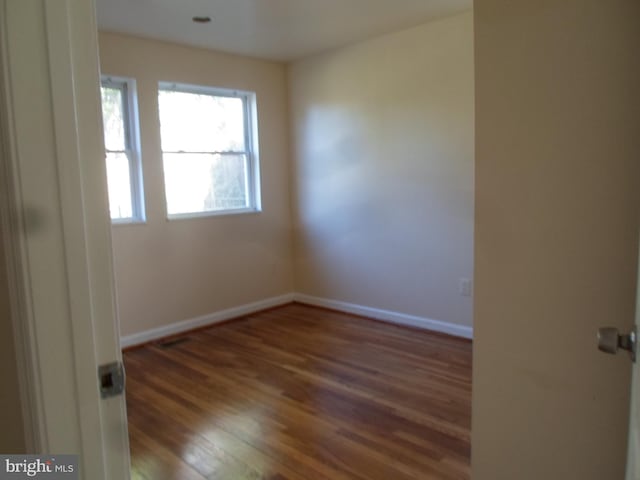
x=301 y=393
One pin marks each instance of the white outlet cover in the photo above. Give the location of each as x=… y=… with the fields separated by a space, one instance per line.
x=465 y=287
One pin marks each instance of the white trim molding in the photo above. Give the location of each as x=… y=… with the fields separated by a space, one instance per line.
x=203 y=321
x=439 y=326
x=12 y=226
x=211 y=319
x=55 y=225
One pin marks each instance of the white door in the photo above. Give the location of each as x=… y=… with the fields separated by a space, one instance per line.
x=57 y=228
x=557 y=210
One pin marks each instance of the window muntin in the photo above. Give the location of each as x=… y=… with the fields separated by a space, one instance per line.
x=210 y=165
x=124 y=177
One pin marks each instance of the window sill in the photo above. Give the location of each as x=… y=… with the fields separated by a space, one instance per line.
x=128 y=222
x=218 y=213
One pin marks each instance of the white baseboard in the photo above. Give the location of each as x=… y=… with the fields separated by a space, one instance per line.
x=228 y=314
x=388 y=316
x=203 y=321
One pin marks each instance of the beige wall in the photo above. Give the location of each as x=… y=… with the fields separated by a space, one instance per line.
x=11 y=427
x=557 y=210
x=383 y=171
x=167 y=271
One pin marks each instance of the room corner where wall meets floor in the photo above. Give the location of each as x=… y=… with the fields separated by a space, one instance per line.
x=383 y=154
x=187 y=326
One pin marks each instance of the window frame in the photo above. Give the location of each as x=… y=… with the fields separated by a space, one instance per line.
x=132 y=146
x=249 y=103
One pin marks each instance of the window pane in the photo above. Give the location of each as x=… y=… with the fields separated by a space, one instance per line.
x=119 y=185
x=205 y=182
x=113 y=118
x=192 y=122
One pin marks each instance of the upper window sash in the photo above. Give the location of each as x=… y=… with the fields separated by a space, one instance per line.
x=126 y=105
x=201 y=141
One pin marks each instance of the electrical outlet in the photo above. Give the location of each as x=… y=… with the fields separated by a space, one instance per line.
x=465 y=287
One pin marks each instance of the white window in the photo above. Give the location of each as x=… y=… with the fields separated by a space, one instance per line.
x=209 y=150
x=124 y=175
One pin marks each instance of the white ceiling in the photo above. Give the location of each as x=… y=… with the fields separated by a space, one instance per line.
x=273 y=29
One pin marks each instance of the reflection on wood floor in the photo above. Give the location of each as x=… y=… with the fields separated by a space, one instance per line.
x=301 y=393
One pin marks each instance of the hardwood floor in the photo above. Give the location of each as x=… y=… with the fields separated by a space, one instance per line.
x=301 y=393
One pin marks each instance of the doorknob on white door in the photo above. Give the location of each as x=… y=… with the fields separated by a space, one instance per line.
x=610 y=341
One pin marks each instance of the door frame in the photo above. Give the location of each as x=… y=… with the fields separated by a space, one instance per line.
x=56 y=231
x=11 y=223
